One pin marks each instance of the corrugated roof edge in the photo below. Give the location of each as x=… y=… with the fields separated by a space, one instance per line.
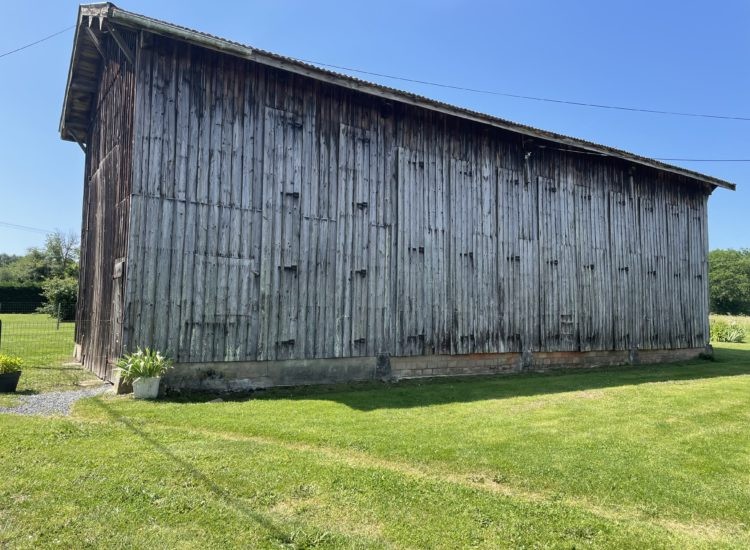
x=142 y=22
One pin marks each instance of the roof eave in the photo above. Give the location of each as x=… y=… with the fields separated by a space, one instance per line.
x=140 y=22
x=85 y=11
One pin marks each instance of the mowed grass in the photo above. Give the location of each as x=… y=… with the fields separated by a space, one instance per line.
x=46 y=352
x=639 y=457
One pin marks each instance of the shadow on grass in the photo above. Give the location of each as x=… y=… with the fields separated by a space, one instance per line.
x=367 y=396
x=371 y=396
x=58 y=368
x=50 y=378
x=283 y=537
x=24 y=392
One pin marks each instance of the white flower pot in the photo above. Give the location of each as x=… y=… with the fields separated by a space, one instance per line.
x=146 y=388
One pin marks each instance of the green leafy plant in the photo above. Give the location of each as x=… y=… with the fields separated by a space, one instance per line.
x=10 y=363
x=723 y=331
x=60 y=296
x=143 y=363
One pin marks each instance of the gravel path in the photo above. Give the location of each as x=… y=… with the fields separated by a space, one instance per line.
x=53 y=403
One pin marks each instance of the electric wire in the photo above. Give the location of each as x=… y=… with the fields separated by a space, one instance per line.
x=467 y=89
x=25 y=228
x=528 y=97
x=473 y=90
x=37 y=41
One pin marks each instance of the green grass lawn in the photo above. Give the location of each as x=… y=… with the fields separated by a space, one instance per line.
x=35 y=337
x=639 y=457
x=45 y=350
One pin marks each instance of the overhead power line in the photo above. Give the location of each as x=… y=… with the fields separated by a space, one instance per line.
x=25 y=228
x=531 y=98
x=37 y=41
x=465 y=89
x=473 y=90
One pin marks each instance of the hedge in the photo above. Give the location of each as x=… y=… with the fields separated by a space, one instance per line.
x=20 y=298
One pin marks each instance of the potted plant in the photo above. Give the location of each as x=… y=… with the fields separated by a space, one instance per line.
x=10 y=372
x=143 y=369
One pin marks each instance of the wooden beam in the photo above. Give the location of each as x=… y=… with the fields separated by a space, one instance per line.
x=127 y=52
x=80 y=143
x=96 y=41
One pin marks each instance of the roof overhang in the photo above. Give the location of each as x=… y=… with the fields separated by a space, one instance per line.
x=85 y=60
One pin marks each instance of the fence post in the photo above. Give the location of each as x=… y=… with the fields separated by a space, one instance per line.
x=1 y=334
x=58 y=316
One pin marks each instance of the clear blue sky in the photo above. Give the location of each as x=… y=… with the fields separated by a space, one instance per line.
x=677 y=56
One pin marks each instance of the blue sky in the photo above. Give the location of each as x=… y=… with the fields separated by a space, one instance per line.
x=676 y=56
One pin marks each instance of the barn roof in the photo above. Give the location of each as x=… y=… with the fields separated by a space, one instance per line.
x=97 y=19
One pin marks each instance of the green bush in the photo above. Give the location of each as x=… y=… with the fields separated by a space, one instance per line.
x=143 y=363
x=10 y=363
x=20 y=297
x=61 y=295
x=722 y=331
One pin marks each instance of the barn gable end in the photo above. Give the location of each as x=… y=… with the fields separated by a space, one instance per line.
x=275 y=226
x=106 y=207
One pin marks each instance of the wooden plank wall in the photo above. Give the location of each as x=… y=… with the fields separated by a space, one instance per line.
x=106 y=211
x=276 y=217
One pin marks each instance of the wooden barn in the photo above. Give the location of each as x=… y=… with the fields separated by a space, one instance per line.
x=267 y=222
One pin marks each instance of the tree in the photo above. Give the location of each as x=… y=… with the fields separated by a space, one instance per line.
x=7 y=259
x=31 y=268
x=62 y=253
x=7 y=273
x=729 y=281
x=58 y=258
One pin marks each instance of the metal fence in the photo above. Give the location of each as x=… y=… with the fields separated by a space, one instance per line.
x=38 y=338
x=63 y=312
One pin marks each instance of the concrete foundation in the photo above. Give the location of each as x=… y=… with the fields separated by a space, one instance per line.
x=241 y=376
x=77 y=352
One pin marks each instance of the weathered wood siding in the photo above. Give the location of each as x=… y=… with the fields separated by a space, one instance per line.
x=106 y=212
x=278 y=217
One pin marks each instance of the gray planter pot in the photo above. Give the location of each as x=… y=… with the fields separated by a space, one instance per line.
x=146 y=388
